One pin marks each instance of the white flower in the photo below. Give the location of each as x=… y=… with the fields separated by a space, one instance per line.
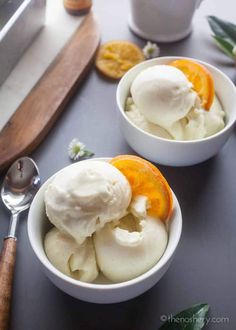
x=76 y=149
x=151 y=50
x=234 y=51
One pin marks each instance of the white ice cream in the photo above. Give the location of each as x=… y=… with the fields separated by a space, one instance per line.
x=82 y=199
x=98 y=227
x=72 y=259
x=163 y=103
x=163 y=94
x=131 y=247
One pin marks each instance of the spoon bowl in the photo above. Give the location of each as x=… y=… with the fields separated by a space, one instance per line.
x=20 y=184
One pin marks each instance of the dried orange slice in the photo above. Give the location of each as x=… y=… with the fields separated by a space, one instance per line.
x=146 y=180
x=201 y=79
x=115 y=58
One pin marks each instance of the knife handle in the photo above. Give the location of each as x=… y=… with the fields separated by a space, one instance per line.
x=7 y=263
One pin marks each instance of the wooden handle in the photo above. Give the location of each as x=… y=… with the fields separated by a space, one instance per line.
x=7 y=263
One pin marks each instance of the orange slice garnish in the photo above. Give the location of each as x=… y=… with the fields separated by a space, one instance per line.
x=201 y=79
x=115 y=58
x=146 y=180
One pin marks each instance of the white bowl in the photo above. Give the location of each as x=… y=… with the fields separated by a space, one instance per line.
x=38 y=225
x=172 y=152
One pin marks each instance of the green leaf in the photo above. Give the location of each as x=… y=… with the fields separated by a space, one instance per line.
x=215 y=27
x=88 y=153
x=223 y=29
x=224 y=45
x=193 y=318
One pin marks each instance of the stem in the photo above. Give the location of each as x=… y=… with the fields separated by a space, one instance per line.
x=13 y=225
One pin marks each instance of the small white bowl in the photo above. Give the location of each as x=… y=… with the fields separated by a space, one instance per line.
x=172 y=152
x=38 y=225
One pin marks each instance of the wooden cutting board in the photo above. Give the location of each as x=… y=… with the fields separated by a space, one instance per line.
x=39 y=111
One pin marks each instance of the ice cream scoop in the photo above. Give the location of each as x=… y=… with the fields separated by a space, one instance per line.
x=72 y=259
x=197 y=124
x=163 y=94
x=82 y=199
x=131 y=247
x=123 y=254
x=164 y=104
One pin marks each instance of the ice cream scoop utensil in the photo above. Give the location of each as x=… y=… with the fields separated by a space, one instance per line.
x=20 y=184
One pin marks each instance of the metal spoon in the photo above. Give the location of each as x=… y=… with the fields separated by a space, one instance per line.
x=19 y=187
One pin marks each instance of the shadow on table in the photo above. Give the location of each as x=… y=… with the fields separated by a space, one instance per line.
x=135 y=314
x=188 y=182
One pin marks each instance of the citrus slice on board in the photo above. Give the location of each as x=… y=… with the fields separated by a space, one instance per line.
x=201 y=79
x=115 y=58
x=146 y=180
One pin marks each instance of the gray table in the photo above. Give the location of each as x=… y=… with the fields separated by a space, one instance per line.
x=205 y=264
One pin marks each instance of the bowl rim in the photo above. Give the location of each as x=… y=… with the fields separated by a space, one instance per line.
x=97 y=286
x=227 y=127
